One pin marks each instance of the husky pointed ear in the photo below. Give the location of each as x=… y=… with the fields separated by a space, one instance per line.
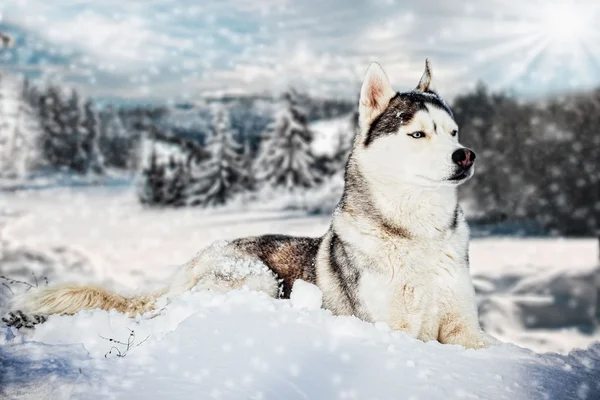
x=425 y=82
x=375 y=95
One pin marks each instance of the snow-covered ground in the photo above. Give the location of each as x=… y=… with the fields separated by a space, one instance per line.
x=537 y=293
x=244 y=345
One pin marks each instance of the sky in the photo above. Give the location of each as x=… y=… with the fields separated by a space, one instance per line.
x=183 y=50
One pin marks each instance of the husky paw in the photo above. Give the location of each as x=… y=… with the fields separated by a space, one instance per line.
x=19 y=320
x=472 y=340
x=481 y=341
x=490 y=340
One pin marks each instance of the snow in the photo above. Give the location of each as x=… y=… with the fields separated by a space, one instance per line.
x=327 y=132
x=306 y=295
x=244 y=344
x=537 y=293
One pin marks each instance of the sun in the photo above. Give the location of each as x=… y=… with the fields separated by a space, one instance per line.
x=563 y=24
x=551 y=43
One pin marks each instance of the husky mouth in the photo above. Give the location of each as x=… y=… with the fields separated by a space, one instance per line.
x=461 y=175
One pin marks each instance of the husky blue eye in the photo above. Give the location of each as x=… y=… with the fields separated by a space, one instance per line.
x=417 y=135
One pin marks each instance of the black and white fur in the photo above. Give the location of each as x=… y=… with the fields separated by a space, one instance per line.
x=397 y=247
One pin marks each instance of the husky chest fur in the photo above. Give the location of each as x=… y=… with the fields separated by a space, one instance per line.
x=397 y=247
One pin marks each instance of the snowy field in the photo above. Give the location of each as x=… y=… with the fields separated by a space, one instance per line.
x=243 y=345
x=536 y=293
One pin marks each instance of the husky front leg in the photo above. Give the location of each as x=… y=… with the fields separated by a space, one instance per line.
x=406 y=313
x=459 y=323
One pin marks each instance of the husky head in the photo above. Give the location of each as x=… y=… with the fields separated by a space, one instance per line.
x=409 y=137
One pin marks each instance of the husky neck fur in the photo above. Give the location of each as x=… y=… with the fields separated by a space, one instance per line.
x=397 y=247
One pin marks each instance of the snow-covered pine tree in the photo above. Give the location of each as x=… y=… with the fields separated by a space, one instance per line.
x=28 y=131
x=70 y=132
x=177 y=179
x=116 y=142
x=214 y=181
x=57 y=148
x=8 y=116
x=152 y=184
x=248 y=182
x=19 y=129
x=74 y=133
x=90 y=131
x=285 y=157
x=165 y=175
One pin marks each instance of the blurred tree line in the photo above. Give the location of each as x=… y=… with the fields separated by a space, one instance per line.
x=53 y=129
x=537 y=160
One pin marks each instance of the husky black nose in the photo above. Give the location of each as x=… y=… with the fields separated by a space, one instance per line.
x=463 y=158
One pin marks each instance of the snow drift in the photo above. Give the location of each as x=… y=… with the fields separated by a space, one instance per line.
x=246 y=345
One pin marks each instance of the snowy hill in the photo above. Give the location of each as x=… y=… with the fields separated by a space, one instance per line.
x=246 y=345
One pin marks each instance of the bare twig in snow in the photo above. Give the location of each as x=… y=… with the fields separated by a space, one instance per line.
x=8 y=287
x=130 y=344
x=12 y=281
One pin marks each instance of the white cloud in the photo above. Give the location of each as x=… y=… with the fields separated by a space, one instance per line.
x=173 y=47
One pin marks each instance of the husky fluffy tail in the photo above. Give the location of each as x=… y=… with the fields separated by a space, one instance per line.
x=206 y=269
x=70 y=299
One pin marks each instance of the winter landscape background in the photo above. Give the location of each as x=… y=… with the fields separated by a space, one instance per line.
x=132 y=135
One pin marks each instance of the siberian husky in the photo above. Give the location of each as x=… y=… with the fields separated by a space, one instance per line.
x=397 y=247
